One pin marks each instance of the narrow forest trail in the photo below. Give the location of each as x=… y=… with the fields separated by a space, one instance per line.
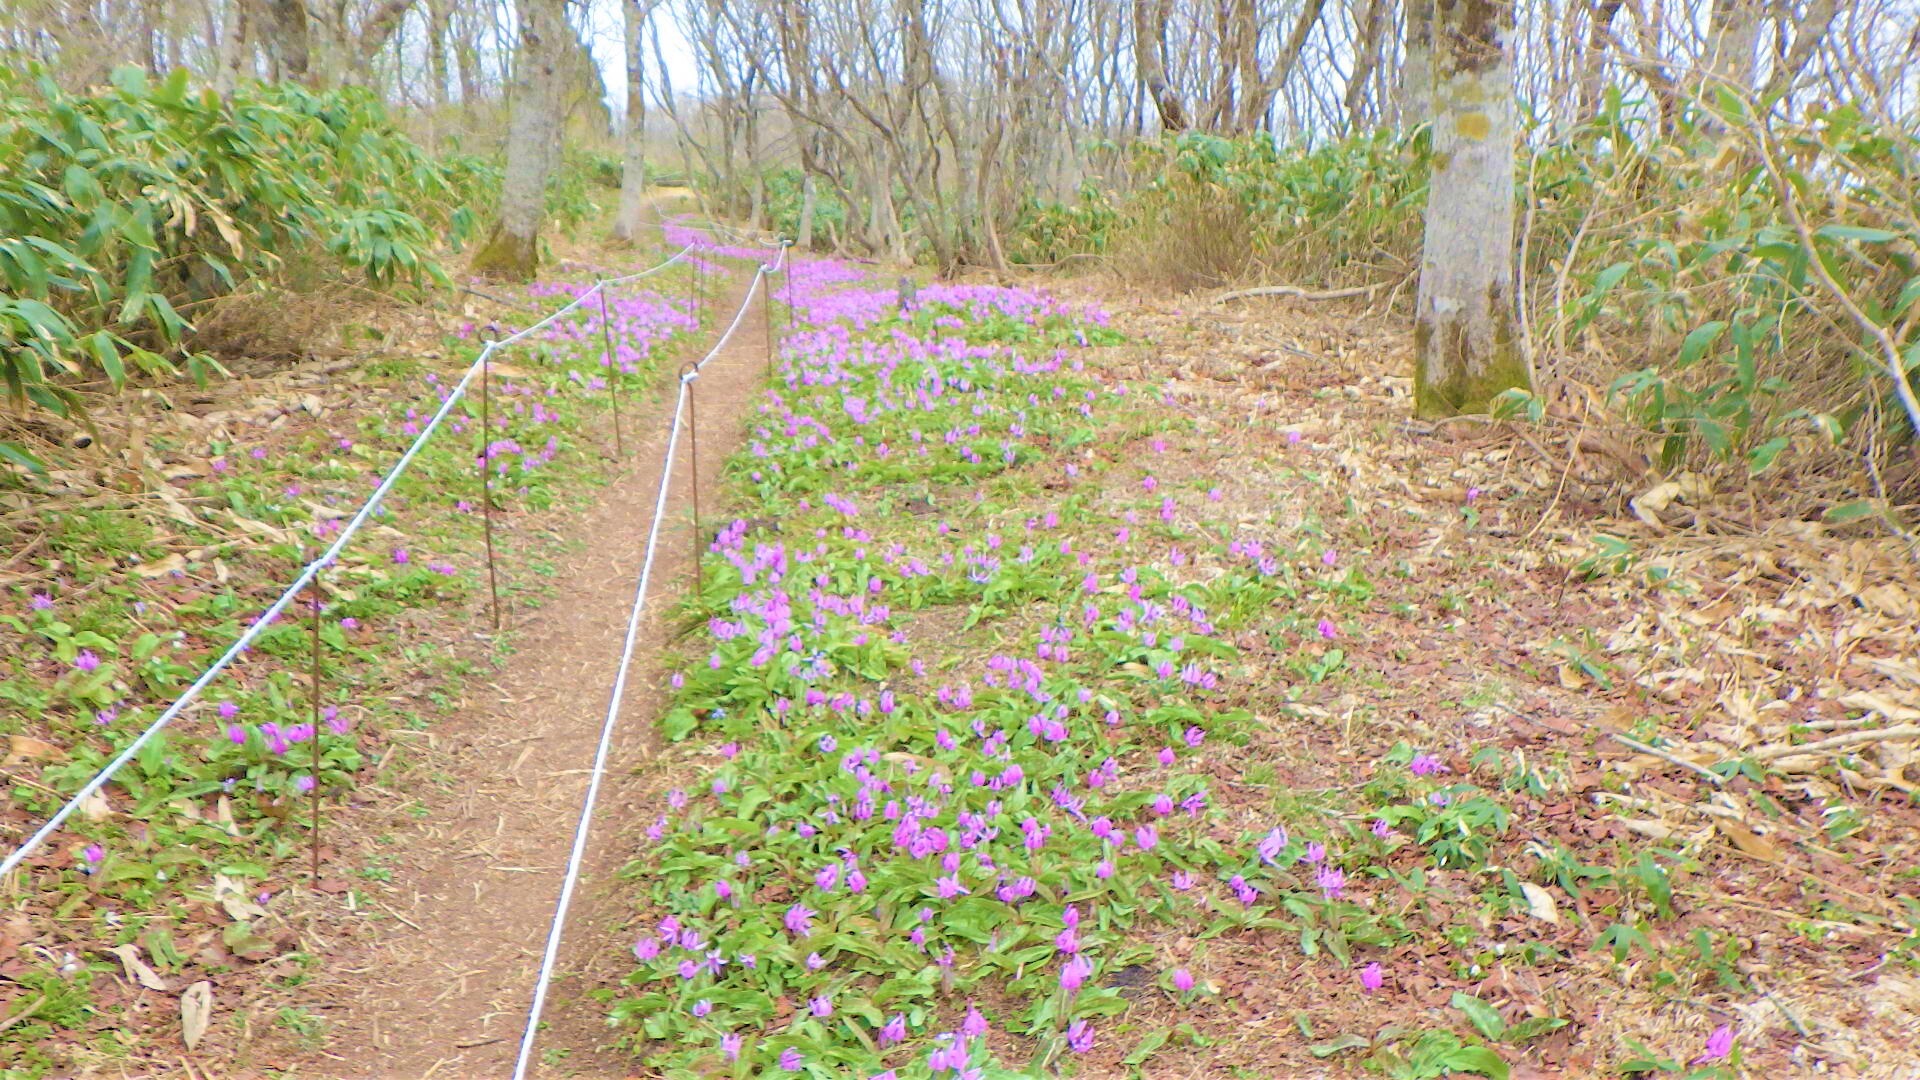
x=446 y=991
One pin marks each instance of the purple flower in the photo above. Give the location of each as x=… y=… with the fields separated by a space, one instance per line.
x=236 y=734
x=1327 y=629
x=93 y=854
x=790 y=1060
x=702 y=1007
x=1371 y=977
x=1075 y=973
x=975 y=1025
x=949 y=887
x=41 y=602
x=303 y=782
x=895 y=1031
x=1080 y=1036
x=1271 y=845
x=815 y=961
x=730 y=1046
x=1146 y=836
x=1332 y=881
x=821 y=1007
x=1381 y=829
x=1426 y=765
x=86 y=661
x=1719 y=1045
x=1182 y=980
x=646 y=949
x=1316 y=853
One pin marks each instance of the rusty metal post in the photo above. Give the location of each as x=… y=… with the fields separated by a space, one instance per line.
x=766 y=312
x=486 y=470
x=613 y=373
x=314 y=596
x=693 y=458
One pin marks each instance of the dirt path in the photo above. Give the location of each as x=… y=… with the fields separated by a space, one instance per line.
x=446 y=993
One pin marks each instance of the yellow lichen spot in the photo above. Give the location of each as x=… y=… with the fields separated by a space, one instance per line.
x=1473 y=125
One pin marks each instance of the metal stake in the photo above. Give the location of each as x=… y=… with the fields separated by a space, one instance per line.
x=315 y=599
x=486 y=473
x=693 y=458
x=766 y=312
x=613 y=373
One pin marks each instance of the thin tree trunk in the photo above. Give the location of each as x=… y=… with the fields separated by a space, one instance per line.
x=513 y=251
x=1465 y=349
x=1733 y=36
x=1593 y=75
x=630 y=218
x=1416 y=85
x=1808 y=33
x=1366 y=55
x=807 y=197
x=439 y=18
x=1149 y=24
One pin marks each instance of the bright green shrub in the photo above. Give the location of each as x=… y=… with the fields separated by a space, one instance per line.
x=120 y=207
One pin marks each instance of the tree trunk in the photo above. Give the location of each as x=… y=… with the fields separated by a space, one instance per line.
x=1593 y=73
x=1808 y=33
x=288 y=41
x=1149 y=23
x=236 y=51
x=1734 y=34
x=439 y=21
x=513 y=251
x=1366 y=55
x=1416 y=79
x=1465 y=349
x=807 y=196
x=628 y=222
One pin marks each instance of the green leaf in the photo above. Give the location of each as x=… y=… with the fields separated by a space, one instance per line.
x=1485 y=1018
x=1761 y=458
x=1339 y=1043
x=12 y=453
x=1851 y=511
x=1862 y=233
x=1478 y=1059
x=1696 y=342
x=1153 y=1041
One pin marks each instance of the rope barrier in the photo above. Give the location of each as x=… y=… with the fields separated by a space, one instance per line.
x=305 y=577
x=581 y=829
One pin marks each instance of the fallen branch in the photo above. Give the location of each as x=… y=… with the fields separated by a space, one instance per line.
x=1670 y=758
x=1838 y=742
x=1297 y=292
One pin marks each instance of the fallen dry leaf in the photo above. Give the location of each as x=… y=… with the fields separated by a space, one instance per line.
x=1540 y=903
x=1747 y=840
x=161 y=567
x=25 y=748
x=232 y=896
x=196 y=1012
x=136 y=968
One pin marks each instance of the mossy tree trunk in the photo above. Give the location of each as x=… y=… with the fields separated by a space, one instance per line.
x=512 y=252
x=1466 y=351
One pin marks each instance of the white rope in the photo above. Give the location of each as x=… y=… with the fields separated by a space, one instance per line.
x=305 y=578
x=651 y=270
x=581 y=829
x=606 y=741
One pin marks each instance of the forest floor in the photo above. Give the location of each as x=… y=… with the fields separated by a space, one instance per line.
x=1609 y=764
